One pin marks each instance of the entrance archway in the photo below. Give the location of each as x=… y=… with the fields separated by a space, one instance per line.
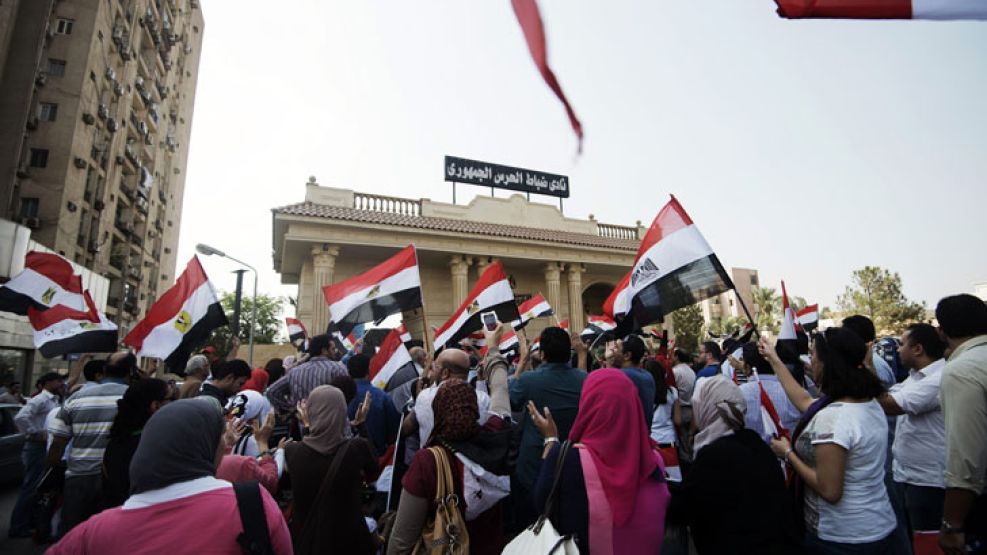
x=594 y=296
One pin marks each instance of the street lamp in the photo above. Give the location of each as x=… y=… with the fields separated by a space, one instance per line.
x=209 y=251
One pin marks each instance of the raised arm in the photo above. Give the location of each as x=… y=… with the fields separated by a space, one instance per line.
x=797 y=394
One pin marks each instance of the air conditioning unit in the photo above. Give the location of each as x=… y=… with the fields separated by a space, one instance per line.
x=117 y=89
x=32 y=123
x=121 y=160
x=88 y=118
x=93 y=246
x=41 y=79
x=112 y=125
x=151 y=234
x=139 y=82
x=103 y=111
x=126 y=54
x=23 y=172
x=50 y=32
x=110 y=74
x=33 y=223
x=81 y=163
x=99 y=205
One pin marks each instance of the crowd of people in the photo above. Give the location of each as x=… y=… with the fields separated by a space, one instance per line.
x=633 y=447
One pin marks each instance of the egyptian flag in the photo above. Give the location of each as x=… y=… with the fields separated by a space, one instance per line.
x=675 y=267
x=618 y=304
x=181 y=319
x=61 y=330
x=296 y=331
x=405 y=334
x=786 y=335
x=46 y=281
x=808 y=317
x=508 y=344
x=492 y=292
x=390 y=358
x=535 y=307
x=344 y=343
x=391 y=287
x=597 y=325
x=535 y=345
x=883 y=9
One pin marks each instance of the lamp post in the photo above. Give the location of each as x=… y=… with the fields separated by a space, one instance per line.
x=209 y=251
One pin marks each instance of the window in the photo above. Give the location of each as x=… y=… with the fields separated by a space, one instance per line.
x=29 y=207
x=64 y=26
x=56 y=68
x=39 y=157
x=47 y=111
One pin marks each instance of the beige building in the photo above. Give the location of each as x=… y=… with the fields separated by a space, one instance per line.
x=95 y=116
x=338 y=233
x=727 y=305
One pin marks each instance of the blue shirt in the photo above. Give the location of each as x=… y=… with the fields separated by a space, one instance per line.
x=709 y=371
x=645 y=384
x=382 y=420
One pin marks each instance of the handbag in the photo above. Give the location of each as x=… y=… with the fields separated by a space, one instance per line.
x=445 y=531
x=541 y=538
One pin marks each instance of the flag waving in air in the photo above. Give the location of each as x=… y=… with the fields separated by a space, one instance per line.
x=535 y=307
x=883 y=9
x=596 y=326
x=180 y=320
x=675 y=267
x=61 y=330
x=492 y=292
x=787 y=338
x=391 y=287
x=46 y=281
x=808 y=317
x=296 y=331
x=392 y=357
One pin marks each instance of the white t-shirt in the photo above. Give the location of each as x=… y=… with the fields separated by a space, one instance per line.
x=426 y=418
x=864 y=513
x=662 y=424
x=920 y=437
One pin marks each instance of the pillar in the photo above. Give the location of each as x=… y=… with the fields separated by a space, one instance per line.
x=323 y=265
x=575 y=279
x=481 y=265
x=553 y=271
x=459 y=267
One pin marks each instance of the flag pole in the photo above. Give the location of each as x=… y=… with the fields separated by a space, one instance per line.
x=429 y=348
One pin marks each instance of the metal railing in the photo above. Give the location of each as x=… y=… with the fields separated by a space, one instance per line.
x=389 y=205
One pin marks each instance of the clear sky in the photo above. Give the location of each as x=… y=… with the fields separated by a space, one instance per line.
x=805 y=149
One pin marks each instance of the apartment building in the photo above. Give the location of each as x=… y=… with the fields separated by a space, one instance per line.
x=96 y=103
x=728 y=305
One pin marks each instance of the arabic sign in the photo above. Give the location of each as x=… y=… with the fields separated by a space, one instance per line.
x=461 y=170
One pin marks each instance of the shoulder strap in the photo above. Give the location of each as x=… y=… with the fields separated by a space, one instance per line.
x=443 y=480
x=323 y=495
x=550 y=501
x=255 y=538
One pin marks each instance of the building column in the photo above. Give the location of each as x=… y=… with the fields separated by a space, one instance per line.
x=553 y=271
x=459 y=267
x=575 y=279
x=323 y=265
x=481 y=265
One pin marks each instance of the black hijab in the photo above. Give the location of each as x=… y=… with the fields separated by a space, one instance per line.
x=178 y=444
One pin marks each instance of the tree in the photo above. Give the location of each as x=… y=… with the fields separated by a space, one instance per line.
x=876 y=293
x=689 y=324
x=766 y=308
x=269 y=323
x=726 y=326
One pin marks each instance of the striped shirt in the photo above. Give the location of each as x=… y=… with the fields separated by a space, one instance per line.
x=295 y=386
x=86 y=419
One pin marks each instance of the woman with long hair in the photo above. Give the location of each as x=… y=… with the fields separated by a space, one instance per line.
x=141 y=400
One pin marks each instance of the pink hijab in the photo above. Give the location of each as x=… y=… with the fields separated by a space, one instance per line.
x=609 y=402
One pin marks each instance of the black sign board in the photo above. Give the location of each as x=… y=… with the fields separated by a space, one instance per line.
x=461 y=170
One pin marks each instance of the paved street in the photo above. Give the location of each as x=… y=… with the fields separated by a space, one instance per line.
x=25 y=546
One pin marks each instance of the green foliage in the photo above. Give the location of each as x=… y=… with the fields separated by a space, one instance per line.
x=767 y=307
x=269 y=322
x=876 y=293
x=726 y=325
x=688 y=323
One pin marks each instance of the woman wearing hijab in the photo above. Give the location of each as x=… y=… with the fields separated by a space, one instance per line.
x=327 y=470
x=252 y=408
x=141 y=400
x=612 y=491
x=257 y=382
x=733 y=499
x=172 y=485
x=470 y=448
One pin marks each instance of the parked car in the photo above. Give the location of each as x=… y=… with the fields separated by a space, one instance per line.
x=11 y=444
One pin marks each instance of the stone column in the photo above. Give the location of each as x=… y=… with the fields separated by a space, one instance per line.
x=323 y=265
x=575 y=279
x=481 y=265
x=553 y=272
x=459 y=267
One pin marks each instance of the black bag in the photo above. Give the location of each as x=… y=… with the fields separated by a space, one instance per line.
x=255 y=538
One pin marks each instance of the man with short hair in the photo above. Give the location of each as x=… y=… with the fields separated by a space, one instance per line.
x=554 y=385
x=382 y=419
x=709 y=357
x=30 y=421
x=227 y=380
x=919 y=442
x=196 y=372
x=318 y=370
x=93 y=372
x=963 y=394
x=451 y=364
x=86 y=419
x=628 y=356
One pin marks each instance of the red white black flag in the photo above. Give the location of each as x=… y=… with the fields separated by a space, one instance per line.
x=46 y=281
x=391 y=287
x=492 y=292
x=296 y=330
x=61 y=330
x=180 y=320
x=508 y=345
x=392 y=357
x=596 y=326
x=675 y=267
x=883 y=9
x=535 y=307
x=808 y=317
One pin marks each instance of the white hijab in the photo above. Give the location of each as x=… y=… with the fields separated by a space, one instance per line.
x=719 y=411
